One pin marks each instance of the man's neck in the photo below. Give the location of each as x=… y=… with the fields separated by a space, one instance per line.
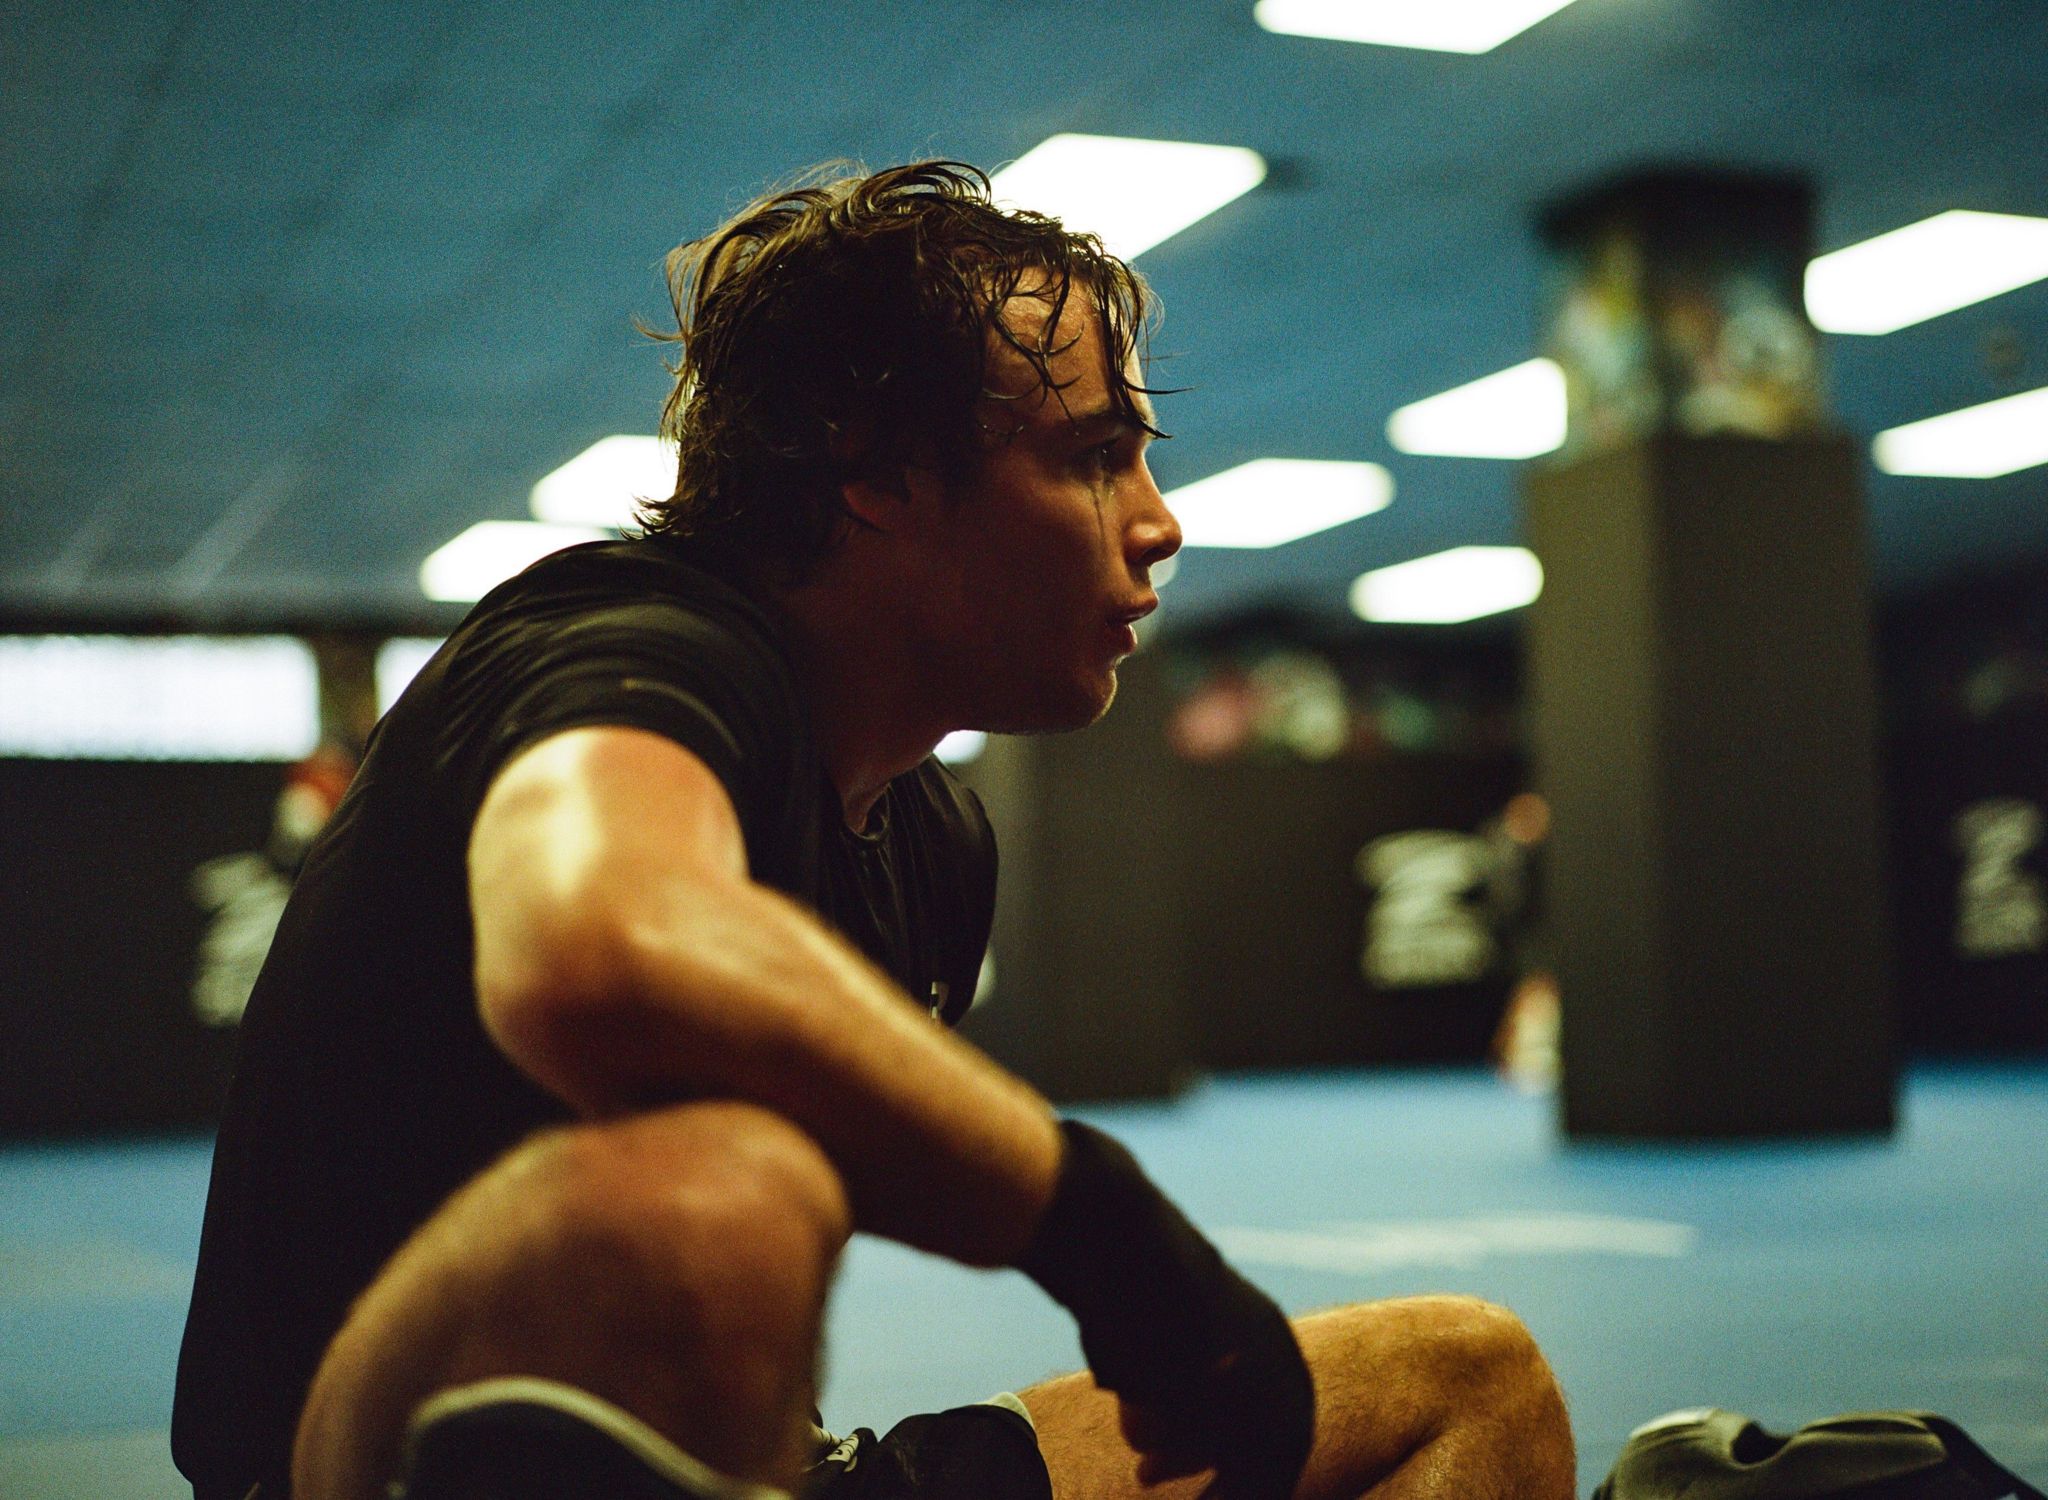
x=869 y=707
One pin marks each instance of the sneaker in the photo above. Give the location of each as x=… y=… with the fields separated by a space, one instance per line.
x=523 y=1438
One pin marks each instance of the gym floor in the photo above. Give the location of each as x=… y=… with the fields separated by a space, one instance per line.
x=1787 y=1281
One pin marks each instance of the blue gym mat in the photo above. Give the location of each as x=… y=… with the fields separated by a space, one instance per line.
x=1788 y=1281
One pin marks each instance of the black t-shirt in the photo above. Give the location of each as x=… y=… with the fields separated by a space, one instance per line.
x=366 y=1091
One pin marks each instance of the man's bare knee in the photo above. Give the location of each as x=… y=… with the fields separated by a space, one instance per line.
x=1427 y=1396
x=1479 y=1346
x=1502 y=1411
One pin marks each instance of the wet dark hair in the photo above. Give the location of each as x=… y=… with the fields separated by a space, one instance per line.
x=840 y=328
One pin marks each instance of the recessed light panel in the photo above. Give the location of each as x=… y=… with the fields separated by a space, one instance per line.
x=180 y=697
x=1433 y=25
x=1978 y=442
x=601 y=485
x=466 y=569
x=1449 y=587
x=1515 y=413
x=1131 y=193
x=1274 y=500
x=1924 y=270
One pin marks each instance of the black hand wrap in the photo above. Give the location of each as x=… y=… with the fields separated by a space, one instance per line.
x=1168 y=1326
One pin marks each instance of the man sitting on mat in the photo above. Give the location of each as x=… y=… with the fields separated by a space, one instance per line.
x=616 y=994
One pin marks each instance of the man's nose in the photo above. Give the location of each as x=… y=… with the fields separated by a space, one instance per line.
x=1154 y=532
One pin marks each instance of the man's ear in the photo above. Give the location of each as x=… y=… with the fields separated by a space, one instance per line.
x=877 y=496
x=877 y=503
x=894 y=501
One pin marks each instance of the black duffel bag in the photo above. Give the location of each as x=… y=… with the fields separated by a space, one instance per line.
x=1874 y=1455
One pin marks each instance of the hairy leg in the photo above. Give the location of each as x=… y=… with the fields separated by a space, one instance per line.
x=1425 y=1396
x=674 y=1263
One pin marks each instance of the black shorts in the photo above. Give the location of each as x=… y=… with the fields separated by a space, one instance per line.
x=982 y=1452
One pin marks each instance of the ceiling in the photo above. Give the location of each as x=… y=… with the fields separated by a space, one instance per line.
x=292 y=293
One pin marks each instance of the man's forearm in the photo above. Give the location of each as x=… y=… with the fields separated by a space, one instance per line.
x=735 y=991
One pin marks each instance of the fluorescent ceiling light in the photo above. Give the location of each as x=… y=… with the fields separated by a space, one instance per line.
x=1436 y=25
x=1461 y=584
x=1978 y=442
x=601 y=485
x=1273 y=500
x=1131 y=193
x=181 y=697
x=1515 y=413
x=1924 y=270
x=490 y=552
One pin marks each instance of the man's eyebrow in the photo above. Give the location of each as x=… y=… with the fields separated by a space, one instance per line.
x=1097 y=418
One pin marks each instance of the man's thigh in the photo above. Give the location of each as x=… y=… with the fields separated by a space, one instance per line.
x=1419 y=1396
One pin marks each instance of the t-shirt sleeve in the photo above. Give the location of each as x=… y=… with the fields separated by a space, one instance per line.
x=704 y=680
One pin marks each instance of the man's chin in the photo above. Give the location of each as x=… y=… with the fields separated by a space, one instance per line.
x=1103 y=702
x=1062 y=713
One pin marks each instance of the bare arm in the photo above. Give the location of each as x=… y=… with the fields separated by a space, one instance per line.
x=624 y=958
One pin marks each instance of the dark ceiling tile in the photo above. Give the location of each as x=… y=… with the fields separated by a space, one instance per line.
x=343 y=54
x=60 y=46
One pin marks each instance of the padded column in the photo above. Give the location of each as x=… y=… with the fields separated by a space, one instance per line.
x=1705 y=731
x=1700 y=672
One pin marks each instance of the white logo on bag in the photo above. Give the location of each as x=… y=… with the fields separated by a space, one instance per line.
x=1421 y=928
x=246 y=895
x=2001 y=909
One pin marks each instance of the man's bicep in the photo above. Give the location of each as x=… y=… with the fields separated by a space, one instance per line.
x=581 y=839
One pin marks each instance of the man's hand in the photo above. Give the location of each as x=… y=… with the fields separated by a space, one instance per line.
x=1206 y=1366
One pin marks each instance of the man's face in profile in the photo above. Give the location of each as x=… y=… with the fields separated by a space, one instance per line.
x=1039 y=560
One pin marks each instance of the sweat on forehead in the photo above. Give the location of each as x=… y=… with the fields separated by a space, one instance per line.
x=1049 y=352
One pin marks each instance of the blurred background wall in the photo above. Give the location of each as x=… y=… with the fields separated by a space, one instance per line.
x=295 y=301
x=1296 y=842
